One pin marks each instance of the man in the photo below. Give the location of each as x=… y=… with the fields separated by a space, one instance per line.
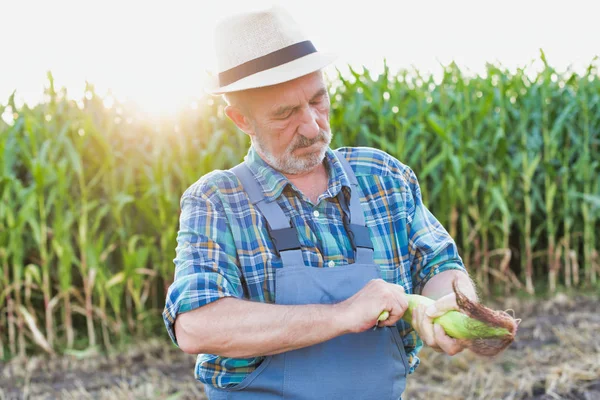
x=285 y=262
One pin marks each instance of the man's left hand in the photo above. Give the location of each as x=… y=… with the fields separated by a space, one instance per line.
x=433 y=334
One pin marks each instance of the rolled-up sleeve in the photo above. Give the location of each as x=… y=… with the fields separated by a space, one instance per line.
x=431 y=248
x=206 y=267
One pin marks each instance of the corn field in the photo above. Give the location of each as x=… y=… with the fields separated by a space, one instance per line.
x=89 y=208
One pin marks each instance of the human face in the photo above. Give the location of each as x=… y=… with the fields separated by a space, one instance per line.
x=291 y=124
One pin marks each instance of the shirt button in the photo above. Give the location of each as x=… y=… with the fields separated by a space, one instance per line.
x=316 y=213
x=331 y=264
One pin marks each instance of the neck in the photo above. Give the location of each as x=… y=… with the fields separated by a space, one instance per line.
x=312 y=183
x=306 y=174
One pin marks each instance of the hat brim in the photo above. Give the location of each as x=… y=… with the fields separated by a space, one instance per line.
x=282 y=73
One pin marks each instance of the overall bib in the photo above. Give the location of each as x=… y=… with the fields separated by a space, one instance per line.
x=363 y=366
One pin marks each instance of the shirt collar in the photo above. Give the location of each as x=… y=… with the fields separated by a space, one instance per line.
x=273 y=182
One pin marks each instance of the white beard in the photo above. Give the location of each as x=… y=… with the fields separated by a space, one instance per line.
x=287 y=163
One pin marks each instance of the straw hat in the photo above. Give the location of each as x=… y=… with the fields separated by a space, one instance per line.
x=262 y=48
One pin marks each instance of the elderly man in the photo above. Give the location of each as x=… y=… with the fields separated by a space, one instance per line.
x=285 y=262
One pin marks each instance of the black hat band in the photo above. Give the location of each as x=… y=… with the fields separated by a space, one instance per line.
x=268 y=61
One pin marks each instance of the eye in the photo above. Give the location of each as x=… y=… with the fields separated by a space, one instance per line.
x=287 y=116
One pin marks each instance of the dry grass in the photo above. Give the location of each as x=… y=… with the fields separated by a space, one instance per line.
x=556 y=356
x=151 y=370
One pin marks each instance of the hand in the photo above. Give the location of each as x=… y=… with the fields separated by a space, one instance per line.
x=433 y=335
x=362 y=310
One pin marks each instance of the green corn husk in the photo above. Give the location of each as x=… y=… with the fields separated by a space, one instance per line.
x=456 y=324
x=482 y=330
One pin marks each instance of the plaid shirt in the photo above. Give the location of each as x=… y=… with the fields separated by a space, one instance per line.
x=224 y=249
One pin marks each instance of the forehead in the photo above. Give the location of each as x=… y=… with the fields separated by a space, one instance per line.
x=291 y=93
x=307 y=83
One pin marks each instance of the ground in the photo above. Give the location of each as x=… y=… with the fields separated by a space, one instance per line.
x=556 y=356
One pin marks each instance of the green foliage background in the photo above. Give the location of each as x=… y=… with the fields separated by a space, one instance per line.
x=89 y=196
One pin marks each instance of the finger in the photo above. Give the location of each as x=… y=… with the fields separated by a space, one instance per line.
x=442 y=306
x=417 y=317
x=426 y=328
x=387 y=321
x=449 y=345
x=435 y=347
x=401 y=305
x=395 y=314
x=401 y=301
x=399 y=308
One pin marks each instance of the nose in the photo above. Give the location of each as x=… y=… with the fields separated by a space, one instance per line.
x=309 y=125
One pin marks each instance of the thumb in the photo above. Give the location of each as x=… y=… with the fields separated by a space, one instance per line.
x=442 y=306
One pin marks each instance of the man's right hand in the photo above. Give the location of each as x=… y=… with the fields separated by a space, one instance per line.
x=362 y=310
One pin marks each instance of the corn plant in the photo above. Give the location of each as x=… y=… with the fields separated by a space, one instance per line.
x=89 y=189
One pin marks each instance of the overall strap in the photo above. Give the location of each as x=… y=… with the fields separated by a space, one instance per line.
x=282 y=233
x=354 y=218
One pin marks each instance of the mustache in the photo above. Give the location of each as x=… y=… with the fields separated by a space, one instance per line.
x=302 y=141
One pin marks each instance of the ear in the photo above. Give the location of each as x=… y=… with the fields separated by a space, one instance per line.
x=239 y=119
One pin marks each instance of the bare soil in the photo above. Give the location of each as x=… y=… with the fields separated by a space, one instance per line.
x=556 y=356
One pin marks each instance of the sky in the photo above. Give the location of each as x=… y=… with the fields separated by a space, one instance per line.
x=156 y=54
